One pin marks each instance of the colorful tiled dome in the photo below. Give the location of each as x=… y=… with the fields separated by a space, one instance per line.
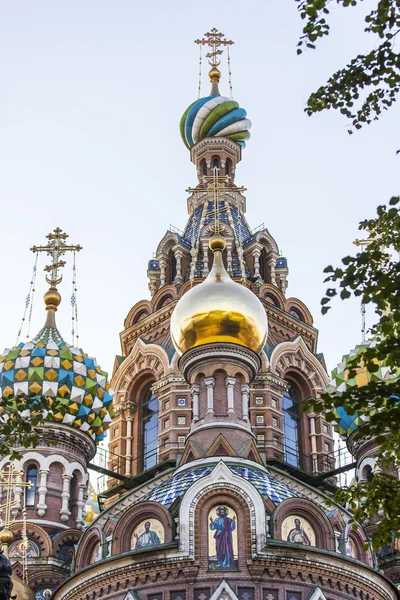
x=340 y=383
x=214 y=116
x=48 y=367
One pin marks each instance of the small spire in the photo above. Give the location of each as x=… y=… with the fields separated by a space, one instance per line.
x=55 y=248
x=214 y=39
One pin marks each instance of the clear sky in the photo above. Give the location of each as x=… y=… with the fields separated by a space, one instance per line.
x=91 y=94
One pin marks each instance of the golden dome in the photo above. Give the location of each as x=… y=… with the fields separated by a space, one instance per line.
x=219 y=310
x=20 y=590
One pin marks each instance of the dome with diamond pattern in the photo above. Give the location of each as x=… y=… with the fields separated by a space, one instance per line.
x=48 y=367
x=341 y=382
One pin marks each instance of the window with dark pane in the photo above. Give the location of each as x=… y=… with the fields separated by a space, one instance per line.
x=293 y=595
x=270 y=595
x=150 y=409
x=31 y=476
x=290 y=407
x=246 y=593
x=180 y=595
x=154 y=596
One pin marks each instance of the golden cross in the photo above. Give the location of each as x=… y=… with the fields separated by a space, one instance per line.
x=214 y=39
x=55 y=248
x=217 y=192
x=10 y=480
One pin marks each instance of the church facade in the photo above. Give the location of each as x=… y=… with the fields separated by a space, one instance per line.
x=220 y=485
x=225 y=487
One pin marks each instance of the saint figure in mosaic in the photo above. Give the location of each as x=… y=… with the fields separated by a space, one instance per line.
x=223 y=527
x=298 y=535
x=146 y=539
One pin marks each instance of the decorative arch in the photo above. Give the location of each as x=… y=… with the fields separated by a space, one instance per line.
x=70 y=536
x=143 y=306
x=132 y=517
x=300 y=308
x=167 y=291
x=165 y=245
x=265 y=239
x=294 y=356
x=149 y=358
x=221 y=481
x=324 y=534
x=34 y=533
x=87 y=545
x=267 y=290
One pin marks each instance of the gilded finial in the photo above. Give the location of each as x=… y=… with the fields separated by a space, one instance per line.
x=214 y=39
x=55 y=248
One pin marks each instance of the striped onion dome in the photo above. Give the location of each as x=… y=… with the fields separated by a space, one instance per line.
x=341 y=382
x=214 y=116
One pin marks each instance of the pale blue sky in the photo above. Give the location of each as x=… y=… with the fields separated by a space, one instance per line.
x=91 y=94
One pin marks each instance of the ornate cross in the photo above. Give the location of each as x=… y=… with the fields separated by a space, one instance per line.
x=216 y=190
x=56 y=247
x=214 y=39
x=10 y=481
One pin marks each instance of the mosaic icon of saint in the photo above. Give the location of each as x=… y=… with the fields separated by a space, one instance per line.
x=223 y=527
x=146 y=539
x=298 y=535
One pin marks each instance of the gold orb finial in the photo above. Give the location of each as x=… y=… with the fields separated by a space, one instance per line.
x=219 y=310
x=214 y=75
x=6 y=536
x=52 y=299
x=217 y=242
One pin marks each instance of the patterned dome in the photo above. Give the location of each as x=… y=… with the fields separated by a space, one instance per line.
x=47 y=366
x=340 y=383
x=214 y=116
x=167 y=492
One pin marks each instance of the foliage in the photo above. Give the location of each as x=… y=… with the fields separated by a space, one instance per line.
x=21 y=419
x=373 y=275
x=379 y=69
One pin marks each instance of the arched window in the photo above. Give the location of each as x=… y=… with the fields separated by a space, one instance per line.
x=149 y=428
x=31 y=475
x=172 y=266
x=290 y=407
x=203 y=167
x=215 y=162
x=228 y=167
x=295 y=313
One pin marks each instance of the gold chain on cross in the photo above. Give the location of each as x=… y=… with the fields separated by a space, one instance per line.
x=55 y=248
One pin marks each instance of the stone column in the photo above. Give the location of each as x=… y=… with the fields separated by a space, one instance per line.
x=230 y=384
x=41 y=505
x=80 y=522
x=178 y=255
x=245 y=389
x=163 y=268
x=229 y=258
x=313 y=438
x=210 y=383
x=128 y=455
x=256 y=259
x=272 y=264
x=206 y=269
x=65 y=495
x=195 y=390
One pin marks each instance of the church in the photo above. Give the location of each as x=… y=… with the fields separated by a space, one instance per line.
x=219 y=484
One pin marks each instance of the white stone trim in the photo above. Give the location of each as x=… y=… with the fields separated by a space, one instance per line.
x=317 y=594
x=221 y=478
x=224 y=592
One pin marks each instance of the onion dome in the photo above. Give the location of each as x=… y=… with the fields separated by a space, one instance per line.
x=341 y=382
x=214 y=116
x=219 y=310
x=48 y=367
